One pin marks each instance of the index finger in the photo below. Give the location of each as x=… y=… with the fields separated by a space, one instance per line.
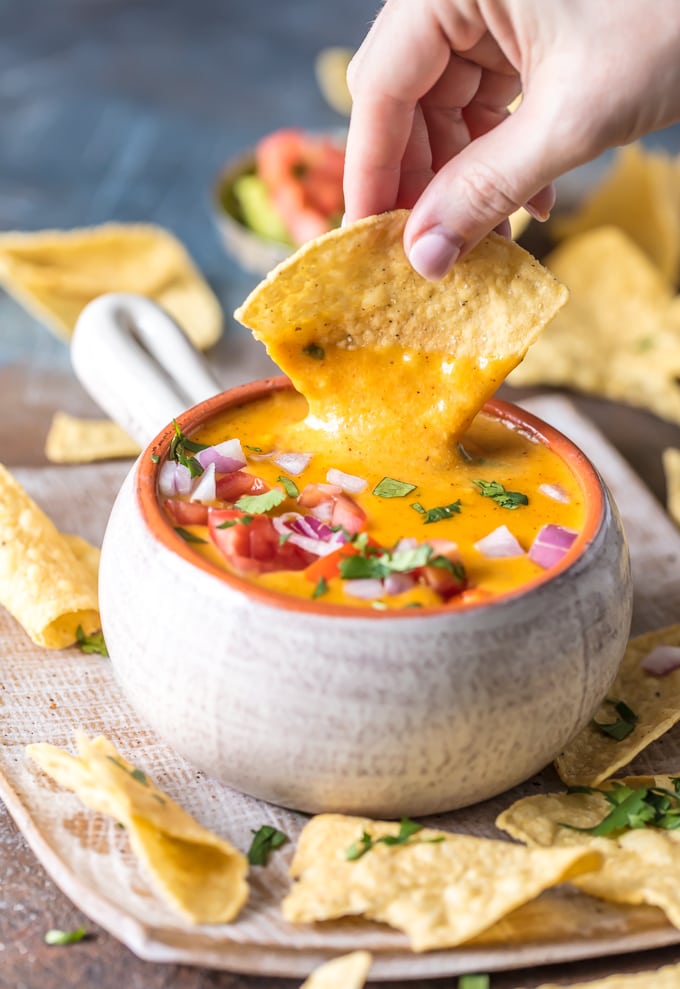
x=404 y=54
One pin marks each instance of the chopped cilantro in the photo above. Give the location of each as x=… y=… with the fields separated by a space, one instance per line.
x=389 y=487
x=178 y=451
x=259 y=504
x=227 y=524
x=314 y=351
x=502 y=497
x=290 y=487
x=91 y=643
x=187 y=536
x=407 y=829
x=253 y=449
x=437 y=514
x=266 y=840
x=284 y=537
x=57 y=937
x=372 y=562
x=634 y=807
x=155 y=458
x=624 y=724
x=320 y=589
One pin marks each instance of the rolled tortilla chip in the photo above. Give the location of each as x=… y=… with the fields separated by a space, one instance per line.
x=48 y=581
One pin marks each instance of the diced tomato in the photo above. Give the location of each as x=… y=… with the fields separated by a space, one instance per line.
x=348 y=514
x=230 y=487
x=328 y=566
x=252 y=546
x=186 y=512
x=343 y=509
x=313 y=495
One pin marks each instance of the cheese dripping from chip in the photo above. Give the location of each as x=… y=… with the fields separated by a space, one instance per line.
x=387 y=359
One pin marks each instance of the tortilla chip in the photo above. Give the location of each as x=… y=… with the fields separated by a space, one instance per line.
x=353 y=325
x=441 y=889
x=667 y=977
x=619 y=335
x=201 y=875
x=47 y=581
x=671 y=468
x=519 y=221
x=71 y=440
x=55 y=273
x=347 y=972
x=639 y=866
x=639 y=194
x=592 y=756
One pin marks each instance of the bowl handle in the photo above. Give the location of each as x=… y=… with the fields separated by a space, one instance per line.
x=137 y=364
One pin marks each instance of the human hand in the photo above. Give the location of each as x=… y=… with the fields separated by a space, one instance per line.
x=430 y=127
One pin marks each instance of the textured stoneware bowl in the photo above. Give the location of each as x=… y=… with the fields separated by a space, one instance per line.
x=327 y=709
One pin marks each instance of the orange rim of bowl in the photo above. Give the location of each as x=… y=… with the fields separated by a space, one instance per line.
x=159 y=525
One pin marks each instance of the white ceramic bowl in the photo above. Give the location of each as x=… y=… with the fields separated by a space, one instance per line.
x=328 y=709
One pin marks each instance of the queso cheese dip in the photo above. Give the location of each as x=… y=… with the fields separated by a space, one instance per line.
x=290 y=509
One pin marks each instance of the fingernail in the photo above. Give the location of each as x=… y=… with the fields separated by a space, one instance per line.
x=433 y=253
x=344 y=221
x=539 y=215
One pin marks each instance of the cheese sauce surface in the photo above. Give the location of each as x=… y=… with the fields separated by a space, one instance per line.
x=435 y=505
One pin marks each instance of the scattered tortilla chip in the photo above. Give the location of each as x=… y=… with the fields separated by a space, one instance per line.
x=55 y=273
x=48 y=581
x=441 y=889
x=347 y=317
x=347 y=972
x=201 y=875
x=330 y=67
x=639 y=866
x=667 y=977
x=671 y=467
x=619 y=335
x=71 y=440
x=639 y=194
x=593 y=756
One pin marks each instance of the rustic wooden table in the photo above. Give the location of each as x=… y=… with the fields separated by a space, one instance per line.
x=125 y=110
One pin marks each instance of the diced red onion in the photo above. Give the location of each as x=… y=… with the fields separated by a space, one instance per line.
x=365 y=588
x=323 y=511
x=556 y=492
x=227 y=456
x=307 y=525
x=661 y=660
x=499 y=543
x=308 y=533
x=292 y=463
x=204 y=486
x=348 y=482
x=174 y=478
x=442 y=547
x=260 y=456
x=408 y=542
x=550 y=545
x=398 y=583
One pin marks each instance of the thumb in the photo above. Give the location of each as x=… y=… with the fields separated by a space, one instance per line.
x=481 y=186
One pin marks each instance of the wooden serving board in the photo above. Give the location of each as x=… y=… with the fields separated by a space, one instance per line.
x=45 y=696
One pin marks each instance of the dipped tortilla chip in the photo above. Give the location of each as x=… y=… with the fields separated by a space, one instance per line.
x=48 y=581
x=619 y=335
x=671 y=467
x=347 y=972
x=667 y=977
x=354 y=326
x=72 y=440
x=654 y=705
x=639 y=194
x=639 y=866
x=55 y=273
x=201 y=875
x=441 y=889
